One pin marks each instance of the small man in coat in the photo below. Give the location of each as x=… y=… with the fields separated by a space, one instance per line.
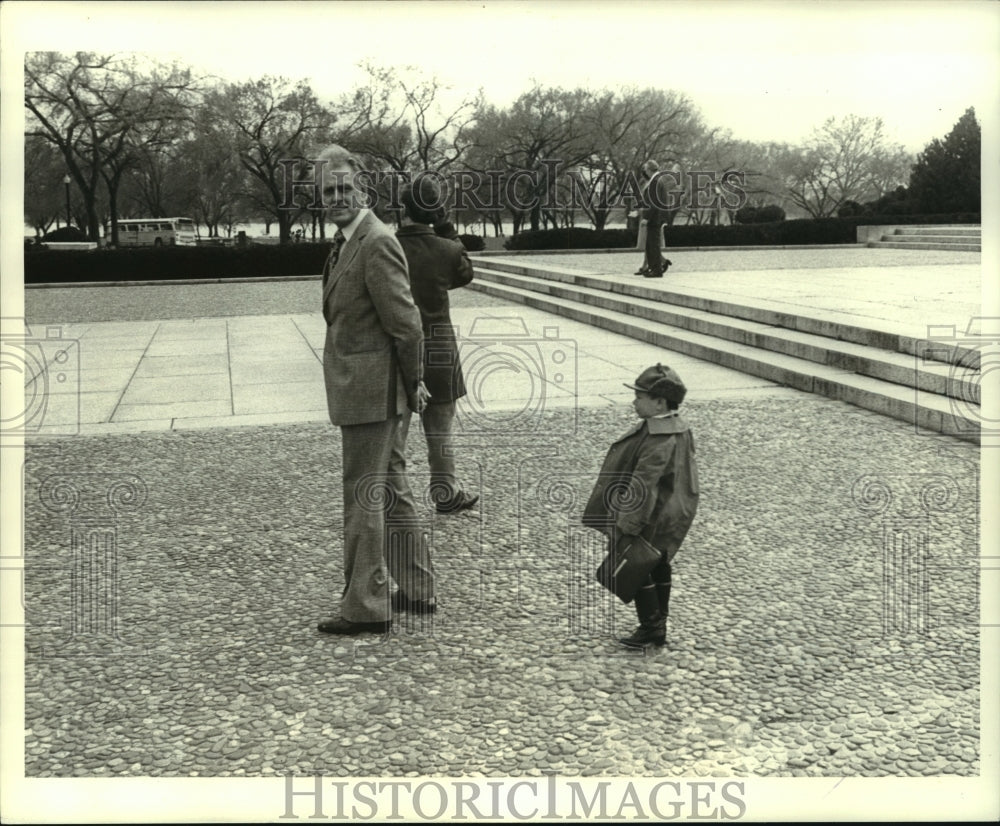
x=648 y=487
x=372 y=367
x=437 y=263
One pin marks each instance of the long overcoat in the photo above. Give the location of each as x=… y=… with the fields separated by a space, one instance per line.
x=437 y=263
x=648 y=485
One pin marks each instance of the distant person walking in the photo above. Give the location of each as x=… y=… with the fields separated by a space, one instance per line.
x=656 y=215
x=437 y=262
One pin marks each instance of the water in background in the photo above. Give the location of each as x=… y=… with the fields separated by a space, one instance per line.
x=258 y=232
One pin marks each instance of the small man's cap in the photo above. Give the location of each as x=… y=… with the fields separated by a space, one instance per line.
x=662 y=382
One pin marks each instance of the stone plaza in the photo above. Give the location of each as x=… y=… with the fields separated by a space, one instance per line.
x=826 y=620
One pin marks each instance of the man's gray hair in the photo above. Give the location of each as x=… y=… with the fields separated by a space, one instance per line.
x=336 y=155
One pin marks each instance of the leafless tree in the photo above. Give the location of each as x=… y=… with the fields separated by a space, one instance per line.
x=268 y=121
x=99 y=111
x=403 y=119
x=44 y=194
x=847 y=159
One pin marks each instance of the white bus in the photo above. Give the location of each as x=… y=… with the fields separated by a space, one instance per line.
x=155 y=232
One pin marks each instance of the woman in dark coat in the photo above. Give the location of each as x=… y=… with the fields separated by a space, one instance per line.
x=437 y=262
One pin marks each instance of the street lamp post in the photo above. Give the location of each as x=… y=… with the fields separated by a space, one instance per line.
x=66 y=180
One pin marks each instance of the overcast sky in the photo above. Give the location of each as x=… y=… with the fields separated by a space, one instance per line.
x=765 y=71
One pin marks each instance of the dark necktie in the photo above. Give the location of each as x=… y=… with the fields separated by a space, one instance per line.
x=338 y=245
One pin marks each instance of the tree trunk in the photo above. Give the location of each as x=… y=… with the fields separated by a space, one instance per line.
x=113 y=212
x=284 y=228
x=536 y=212
x=93 y=224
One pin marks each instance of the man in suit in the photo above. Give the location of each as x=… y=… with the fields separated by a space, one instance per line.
x=659 y=202
x=372 y=367
x=437 y=263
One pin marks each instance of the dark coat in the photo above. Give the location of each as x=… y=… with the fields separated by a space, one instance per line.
x=658 y=209
x=648 y=485
x=437 y=262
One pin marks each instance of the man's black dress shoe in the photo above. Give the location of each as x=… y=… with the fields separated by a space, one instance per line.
x=461 y=502
x=339 y=625
x=650 y=275
x=401 y=602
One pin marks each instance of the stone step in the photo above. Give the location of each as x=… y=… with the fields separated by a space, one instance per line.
x=928 y=238
x=903 y=245
x=946 y=351
x=928 y=412
x=918 y=371
x=962 y=231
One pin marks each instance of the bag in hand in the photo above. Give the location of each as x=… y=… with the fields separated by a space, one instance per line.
x=629 y=561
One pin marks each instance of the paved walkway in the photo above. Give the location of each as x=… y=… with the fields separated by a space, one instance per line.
x=252 y=370
x=131 y=376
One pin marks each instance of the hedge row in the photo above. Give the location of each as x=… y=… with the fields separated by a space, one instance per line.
x=776 y=233
x=570 y=238
x=473 y=243
x=169 y=263
x=42 y=265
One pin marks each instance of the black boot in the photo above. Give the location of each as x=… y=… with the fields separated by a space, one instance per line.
x=652 y=628
x=661 y=579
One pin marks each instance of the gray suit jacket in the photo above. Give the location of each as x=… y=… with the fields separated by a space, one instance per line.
x=372 y=356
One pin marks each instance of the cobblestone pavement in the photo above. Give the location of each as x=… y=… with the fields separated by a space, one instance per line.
x=798 y=646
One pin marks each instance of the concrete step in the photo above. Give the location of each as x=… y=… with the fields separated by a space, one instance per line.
x=939 y=245
x=928 y=238
x=899 y=368
x=945 y=351
x=973 y=231
x=930 y=412
x=932 y=237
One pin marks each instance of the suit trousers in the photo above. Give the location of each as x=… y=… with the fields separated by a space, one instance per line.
x=437 y=420
x=382 y=533
x=654 y=237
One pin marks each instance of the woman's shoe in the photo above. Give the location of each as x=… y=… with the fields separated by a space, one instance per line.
x=462 y=501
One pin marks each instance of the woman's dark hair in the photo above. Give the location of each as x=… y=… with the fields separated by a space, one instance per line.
x=421 y=198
